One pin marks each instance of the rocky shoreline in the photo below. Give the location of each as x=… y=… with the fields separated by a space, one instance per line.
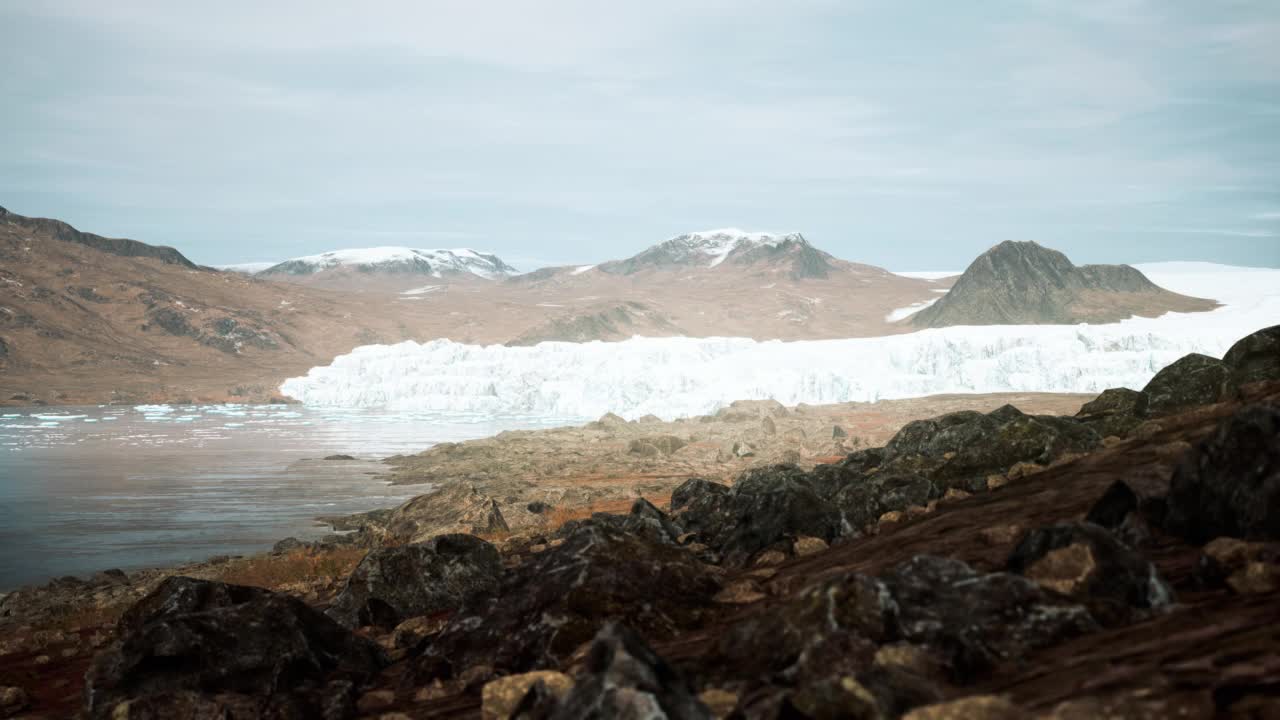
x=1122 y=562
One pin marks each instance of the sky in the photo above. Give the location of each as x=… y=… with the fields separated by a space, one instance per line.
x=907 y=134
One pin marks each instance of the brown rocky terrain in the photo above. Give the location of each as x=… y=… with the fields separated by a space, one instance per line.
x=978 y=565
x=1022 y=283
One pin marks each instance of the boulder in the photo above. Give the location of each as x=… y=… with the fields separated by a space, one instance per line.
x=624 y=678
x=1086 y=563
x=978 y=621
x=394 y=584
x=863 y=503
x=1247 y=568
x=1255 y=358
x=558 y=599
x=223 y=649
x=830 y=628
x=1188 y=383
x=1229 y=484
x=765 y=506
x=455 y=508
x=644 y=520
x=1116 y=412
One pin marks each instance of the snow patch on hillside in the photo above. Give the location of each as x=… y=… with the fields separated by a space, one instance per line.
x=436 y=263
x=908 y=311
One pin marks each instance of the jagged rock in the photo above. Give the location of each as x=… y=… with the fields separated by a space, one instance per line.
x=455 y=508
x=624 y=678
x=501 y=698
x=1116 y=412
x=555 y=601
x=1086 y=563
x=1188 y=383
x=765 y=506
x=978 y=620
x=1229 y=484
x=1254 y=358
x=645 y=520
x=1248 y=568
x=393 y=584
x=863 y=503
x=694 y=491
x=179 y=595
x=852 y=613
x=268 y=655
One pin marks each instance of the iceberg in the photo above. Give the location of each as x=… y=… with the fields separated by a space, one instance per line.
x=680 y=377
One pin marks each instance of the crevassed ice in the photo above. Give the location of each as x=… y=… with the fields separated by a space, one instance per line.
x=674 y=377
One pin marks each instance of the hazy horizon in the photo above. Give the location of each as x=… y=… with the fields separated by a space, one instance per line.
x=908 y=136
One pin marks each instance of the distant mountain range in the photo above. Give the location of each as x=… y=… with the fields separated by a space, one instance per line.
x=85 y=318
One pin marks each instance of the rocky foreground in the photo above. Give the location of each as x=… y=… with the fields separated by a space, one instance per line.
x=1121 y=563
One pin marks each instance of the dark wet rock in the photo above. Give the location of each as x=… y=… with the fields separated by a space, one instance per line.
x=393 y=584
x=624 y=678
x=1116 y=412
x=764 y=507
x=1086 y=563
x=1229 y=484
x=962 y=449
x=272 y=655
x=180 y=595
x=1188 y=383
x=644 y=520
x=339 y=457
x=455 y=508
x=1254 y=358
x=850 y=614
x=863 y=502
x=977 y=620
x=1114 y=506
x=557 y=600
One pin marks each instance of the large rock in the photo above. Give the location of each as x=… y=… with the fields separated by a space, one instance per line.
x=268 y=655
x=179 y=595
x=1229 y=484
x=393 y=584
x=625 y=679
x=765 y=506
x=454 y=508
x=553 y=603
x=1255 y=358
x=863 y=502
x=851 y=613
x=1116 y=412
x=978 y=620
x=644 y=520
x=1086 y=563
x=1188 y=383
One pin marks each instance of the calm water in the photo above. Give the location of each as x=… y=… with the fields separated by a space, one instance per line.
x=86 y=489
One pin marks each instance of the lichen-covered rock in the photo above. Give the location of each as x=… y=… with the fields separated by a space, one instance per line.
x=393 y=584
x=624 y=678
x=1116 y=412
x=1188 y=383
x=770 y=504
x=978 y=620
x=1229 y=484
x=180 y=595
x=1085 y=562
x=455 y=508
x=1254 y=358
x=557 y=600
x=863 y=502
x=268 y=655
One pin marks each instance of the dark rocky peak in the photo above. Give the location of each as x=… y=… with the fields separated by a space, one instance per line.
x=59 y=230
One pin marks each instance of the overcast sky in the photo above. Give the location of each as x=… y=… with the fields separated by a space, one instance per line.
x=911 y=135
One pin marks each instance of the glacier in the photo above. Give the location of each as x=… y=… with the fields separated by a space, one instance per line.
x=680 y=377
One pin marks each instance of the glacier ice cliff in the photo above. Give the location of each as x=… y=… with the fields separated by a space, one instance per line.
x=675 y=377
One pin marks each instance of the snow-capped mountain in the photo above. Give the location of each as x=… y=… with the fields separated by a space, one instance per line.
x=712 y=249
x=397 y=260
